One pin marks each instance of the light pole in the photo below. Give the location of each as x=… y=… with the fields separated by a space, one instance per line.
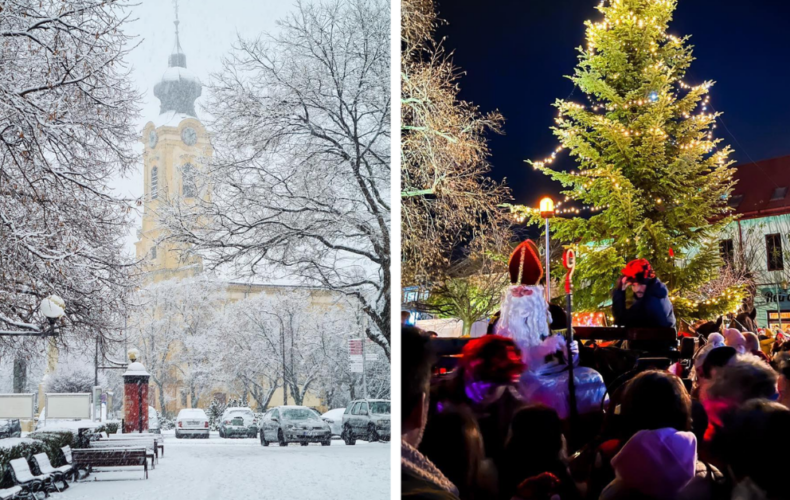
x=547 y=212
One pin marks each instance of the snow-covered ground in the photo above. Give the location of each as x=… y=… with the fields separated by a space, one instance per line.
x=240 y=469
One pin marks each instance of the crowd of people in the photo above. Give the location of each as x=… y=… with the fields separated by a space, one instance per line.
x=480 y=433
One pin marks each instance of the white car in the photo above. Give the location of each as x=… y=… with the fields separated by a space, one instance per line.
x=335 y=420
x=192 y=422
x=238 y=421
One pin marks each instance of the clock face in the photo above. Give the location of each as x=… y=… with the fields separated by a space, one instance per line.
x=152 y=139
x=189 y=136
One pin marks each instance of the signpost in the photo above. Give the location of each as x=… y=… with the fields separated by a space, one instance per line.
x=356 y=355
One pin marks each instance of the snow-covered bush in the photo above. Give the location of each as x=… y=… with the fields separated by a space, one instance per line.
x=214 y=413
x=72 y=378
x=167 y=423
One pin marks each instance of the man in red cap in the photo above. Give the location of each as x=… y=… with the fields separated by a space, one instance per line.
x=651 y=307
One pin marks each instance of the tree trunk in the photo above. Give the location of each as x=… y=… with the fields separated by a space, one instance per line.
x=466 y=330
x=20 y=375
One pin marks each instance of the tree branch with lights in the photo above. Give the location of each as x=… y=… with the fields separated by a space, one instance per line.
x=649 y=169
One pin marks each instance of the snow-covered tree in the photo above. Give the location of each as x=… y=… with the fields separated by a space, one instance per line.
x=301 y=170
x=176 y=333
x=73 y=377
x=67 y=126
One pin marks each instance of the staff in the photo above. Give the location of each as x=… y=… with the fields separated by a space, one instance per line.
x=569 y=261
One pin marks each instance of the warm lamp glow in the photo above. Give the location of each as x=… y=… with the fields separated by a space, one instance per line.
x=546 y=207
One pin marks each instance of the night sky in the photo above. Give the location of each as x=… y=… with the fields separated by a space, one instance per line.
x=516 y=52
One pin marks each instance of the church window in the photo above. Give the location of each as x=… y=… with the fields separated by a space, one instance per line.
x=154 y=183
x=188 y=185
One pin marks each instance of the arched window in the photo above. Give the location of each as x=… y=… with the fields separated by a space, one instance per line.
x=188 y=186
x=154 y=182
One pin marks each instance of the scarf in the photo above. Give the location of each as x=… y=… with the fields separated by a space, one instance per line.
x=417 y=464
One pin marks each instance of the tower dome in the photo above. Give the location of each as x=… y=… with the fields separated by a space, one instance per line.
x=179 y=88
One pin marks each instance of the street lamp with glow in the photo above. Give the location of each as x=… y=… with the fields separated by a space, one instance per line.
x=547 y=212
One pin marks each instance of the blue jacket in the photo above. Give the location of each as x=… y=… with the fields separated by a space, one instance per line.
x=653 y=310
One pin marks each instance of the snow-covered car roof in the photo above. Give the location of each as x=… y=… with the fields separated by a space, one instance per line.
x=334 y=411
x=371 y=400
x=238 y=408
x=192 y=412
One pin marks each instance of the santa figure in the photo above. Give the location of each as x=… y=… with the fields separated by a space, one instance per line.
x=524 y=317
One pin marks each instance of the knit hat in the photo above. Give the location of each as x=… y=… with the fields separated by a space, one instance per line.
x=638 y=271
x=492 y=358
x=656 y=463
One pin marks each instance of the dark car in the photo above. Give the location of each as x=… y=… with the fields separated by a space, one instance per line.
x=10 y=429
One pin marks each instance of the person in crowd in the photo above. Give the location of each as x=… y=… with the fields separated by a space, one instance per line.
x=757 y=426
x=420 y=479
x=453 y=442
x=711 y=363
x=651 y=307
x=486 y=382
x=535 y=446
x=404 y=318
x=735 y=339
x=783 y=382
x=655 y=455
x=740 y=380
x=715 y=340
x=752 y=346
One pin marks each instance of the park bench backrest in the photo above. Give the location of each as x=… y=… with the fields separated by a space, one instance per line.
x=44 y=464
x=126 y=443
x=9 y=493
x=110 y=457
x=67 y=453
x=22 y=470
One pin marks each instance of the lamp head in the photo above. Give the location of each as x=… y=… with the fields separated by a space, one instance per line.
x=546 y=207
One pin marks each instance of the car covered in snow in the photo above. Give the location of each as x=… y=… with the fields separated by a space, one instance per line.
x=10 y=428
x=238 y=421
x=192 y=422
x=335 y=420
x=294 y=424
x=153 y=421
x=366 y=419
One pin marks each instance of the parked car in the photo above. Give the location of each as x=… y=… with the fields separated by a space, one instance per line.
x=153 y=421
x=366 y=419
x=10 y=429
x=238 y=421
x=294 y=424
x=192 y=422
x=335 y=420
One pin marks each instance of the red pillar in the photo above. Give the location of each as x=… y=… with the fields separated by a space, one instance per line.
x=135 y=398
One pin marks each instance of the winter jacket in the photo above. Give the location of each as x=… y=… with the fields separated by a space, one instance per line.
x=421 y=480
x=653 y=310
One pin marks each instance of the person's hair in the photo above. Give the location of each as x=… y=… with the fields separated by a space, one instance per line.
x=784 y=368
x=752 y=341
x=655 y=400
x=404 y=315
x=717 y=358
x=417 y=358
x=747 y=434
x=534 y=446
x=747 y=377
x=492 y=358
x=453 y=442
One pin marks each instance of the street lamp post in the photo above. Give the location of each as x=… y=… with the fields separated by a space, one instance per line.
x=547 y=212
x=53 y=308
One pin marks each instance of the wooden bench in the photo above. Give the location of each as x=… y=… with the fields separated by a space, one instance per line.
x=88 y=458
x=11 y=493
x=150 y=446
x=58 y=473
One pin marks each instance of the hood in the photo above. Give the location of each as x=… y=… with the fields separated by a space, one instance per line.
x=657 y=289
x=657 y=463
x=415 y=463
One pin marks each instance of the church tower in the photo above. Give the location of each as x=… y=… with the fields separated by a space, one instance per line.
x=176 y=144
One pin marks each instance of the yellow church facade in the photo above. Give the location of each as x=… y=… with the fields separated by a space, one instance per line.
x=177 y=146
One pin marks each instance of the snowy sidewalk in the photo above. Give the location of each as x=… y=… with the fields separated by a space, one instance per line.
x=219 y=469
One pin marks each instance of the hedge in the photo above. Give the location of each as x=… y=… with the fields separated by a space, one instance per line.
x=48 y=442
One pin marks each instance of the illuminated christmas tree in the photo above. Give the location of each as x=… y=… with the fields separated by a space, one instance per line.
x=649 y=167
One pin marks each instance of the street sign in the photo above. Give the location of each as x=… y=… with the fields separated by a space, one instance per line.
x=356 y=367
x=355 y=346
x=371 y=357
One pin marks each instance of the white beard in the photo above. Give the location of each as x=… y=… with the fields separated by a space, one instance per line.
x=525 y=320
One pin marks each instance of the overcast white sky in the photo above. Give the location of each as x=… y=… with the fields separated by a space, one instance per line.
x=207 y=30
